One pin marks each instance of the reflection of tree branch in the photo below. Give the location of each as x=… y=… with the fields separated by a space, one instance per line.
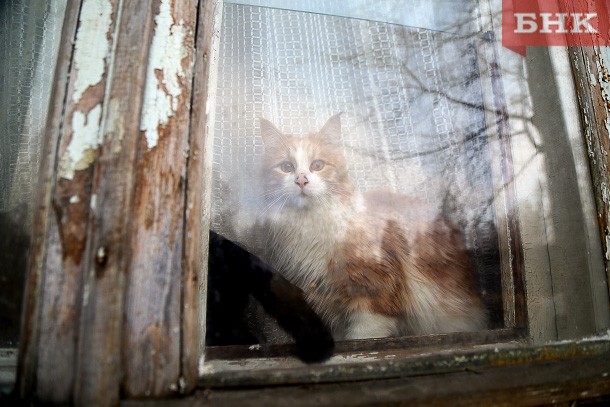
x=391 y=90
x=396 y=155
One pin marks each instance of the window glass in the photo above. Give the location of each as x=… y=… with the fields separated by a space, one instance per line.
x=30 y=33
x=452 y=144
x=439 y=129
x=445 y=15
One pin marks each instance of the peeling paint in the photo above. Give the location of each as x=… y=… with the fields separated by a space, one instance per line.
x=602 y=336
x=163 y=74
x=85 y=139
x=604 y=81
x=92 y=45
x=91 y=49
x=201 y=366
x=274 y=371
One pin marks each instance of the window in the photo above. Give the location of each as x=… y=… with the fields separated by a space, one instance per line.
x=149 y=134
x=433 y=108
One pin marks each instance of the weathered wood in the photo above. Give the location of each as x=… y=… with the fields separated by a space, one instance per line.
x=592 y=84
x=107 y=254
x=153 y=316
x=32 y=327
x=105 y=291
x=197 y=204
x=510 y=200
x=379 y=345
x=538 y=383
x=67 y=237
x=360 y=366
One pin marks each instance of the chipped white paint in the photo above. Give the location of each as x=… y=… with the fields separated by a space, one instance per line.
x=74 y=199
x=252 y=364
x=201 y=366
x=91 y=49
x=93 y=201
x=601 y=336
x=163 y=75
x=85 y=139
x=92 y=45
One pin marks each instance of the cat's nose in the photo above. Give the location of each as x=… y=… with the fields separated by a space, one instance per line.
x=301 y=180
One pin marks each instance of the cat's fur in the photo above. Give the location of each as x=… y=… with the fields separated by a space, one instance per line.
x=372 y=265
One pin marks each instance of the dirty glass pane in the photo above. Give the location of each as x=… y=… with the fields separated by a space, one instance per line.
x=29 y=39
x=438 y=116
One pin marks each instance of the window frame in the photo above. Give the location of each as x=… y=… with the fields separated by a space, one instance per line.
x=98 y=354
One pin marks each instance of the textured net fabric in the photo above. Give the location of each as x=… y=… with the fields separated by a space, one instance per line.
x=413 y=113
x=28 y=52
x=29 y=41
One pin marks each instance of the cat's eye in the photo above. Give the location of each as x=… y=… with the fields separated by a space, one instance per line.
x=287 y=167
x=317 y=165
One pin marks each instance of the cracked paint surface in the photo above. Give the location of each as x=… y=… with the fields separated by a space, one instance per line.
x=85 y=139
x=92 y=45
x=91 y=49
x=163 y=75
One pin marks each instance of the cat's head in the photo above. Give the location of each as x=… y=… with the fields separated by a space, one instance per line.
x=304 y=172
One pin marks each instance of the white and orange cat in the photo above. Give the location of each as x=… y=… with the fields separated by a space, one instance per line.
x=372 y=265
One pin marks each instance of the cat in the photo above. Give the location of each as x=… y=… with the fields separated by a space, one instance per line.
x=372 y=265
x=234 y=276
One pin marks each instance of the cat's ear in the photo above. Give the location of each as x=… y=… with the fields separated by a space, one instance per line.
x=331 y=131
x=270 y=133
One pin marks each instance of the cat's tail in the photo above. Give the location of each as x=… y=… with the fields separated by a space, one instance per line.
x=283 y=301
x=286 y=302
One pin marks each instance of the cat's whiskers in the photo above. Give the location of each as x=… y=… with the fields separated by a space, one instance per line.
x=266 y=209
x=271 y=237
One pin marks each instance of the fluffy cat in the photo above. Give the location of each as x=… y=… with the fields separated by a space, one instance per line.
x=372 y=265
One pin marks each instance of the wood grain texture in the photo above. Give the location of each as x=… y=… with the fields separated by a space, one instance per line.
x=105 y=308
x=595 y=113
x=99 y=363
x=197 y=204
x=510 y=200
x=34 y=336
x=378 y=346
x=65 y=267
x=534 y=384
x=543 y=383
x=153 y=302
x=590 y=66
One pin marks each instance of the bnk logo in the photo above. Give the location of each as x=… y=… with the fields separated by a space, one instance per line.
x=554 y=22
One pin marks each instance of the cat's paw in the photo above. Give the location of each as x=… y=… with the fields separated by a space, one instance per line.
x=318 y=347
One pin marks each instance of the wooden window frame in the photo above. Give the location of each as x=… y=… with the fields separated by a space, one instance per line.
x=86 y=336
